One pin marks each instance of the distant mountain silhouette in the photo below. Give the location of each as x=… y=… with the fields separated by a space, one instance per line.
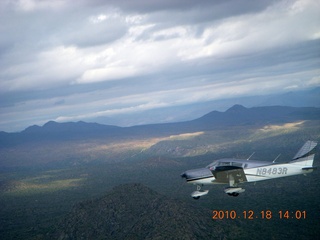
x=309 y=97
x=52 y=127
x=240 y=116
x=134 y=211
x=235 y=116
x=53 y=131
x=298 y=98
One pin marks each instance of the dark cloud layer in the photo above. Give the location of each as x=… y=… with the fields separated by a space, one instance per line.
x=65 y=61
x=223 y=8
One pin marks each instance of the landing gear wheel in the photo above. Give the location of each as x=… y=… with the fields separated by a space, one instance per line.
x=234 y=191
x=198 y=193
x=234 y=194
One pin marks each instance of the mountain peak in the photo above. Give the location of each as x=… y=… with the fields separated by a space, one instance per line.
x=50 y=124
x=134 y=211
x=237 y=108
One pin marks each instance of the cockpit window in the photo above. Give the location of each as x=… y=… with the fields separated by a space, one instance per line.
x=236 y=164
x=222 y=163
x=225 y=164
x=215 y=163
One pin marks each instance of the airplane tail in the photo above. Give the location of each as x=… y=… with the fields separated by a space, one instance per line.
x=305 y=155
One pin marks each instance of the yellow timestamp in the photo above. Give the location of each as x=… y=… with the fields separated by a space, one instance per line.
x=264 y=214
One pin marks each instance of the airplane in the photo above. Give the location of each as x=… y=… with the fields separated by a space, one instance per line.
x=237 y=171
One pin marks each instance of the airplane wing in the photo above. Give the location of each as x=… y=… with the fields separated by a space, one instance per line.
x=225 y=175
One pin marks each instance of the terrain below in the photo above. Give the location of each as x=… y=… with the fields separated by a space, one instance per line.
x=62 y=179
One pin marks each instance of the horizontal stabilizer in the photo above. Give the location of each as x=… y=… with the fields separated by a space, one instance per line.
x=309 y=168
x=305 y=150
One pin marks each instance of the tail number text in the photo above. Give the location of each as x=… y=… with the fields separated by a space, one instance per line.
x=272 y=171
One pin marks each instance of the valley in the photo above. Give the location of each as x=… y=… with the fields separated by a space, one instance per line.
x=42 y=181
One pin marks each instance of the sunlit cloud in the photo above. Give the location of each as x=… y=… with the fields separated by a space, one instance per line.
x=106 y=59
x=35 y=5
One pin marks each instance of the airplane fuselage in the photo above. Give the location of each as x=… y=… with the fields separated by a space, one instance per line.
x=254 y=170
x=237 y=171
x=274 y=171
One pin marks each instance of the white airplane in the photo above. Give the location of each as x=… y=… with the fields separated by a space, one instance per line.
x=237 y=171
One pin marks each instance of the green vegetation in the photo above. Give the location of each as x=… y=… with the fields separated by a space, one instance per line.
x=39 y=183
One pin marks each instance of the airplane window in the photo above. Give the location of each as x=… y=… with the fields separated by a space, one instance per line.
x=224 y=164
x=237 y=164
x=213 y=164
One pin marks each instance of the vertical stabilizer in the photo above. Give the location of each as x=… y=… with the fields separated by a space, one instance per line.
x=306 y=150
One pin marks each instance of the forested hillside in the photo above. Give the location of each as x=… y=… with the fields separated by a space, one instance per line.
x=62 y=187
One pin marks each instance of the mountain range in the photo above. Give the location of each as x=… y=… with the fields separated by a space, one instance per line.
x=45 y=170
x=237 y=115
x=178 y=113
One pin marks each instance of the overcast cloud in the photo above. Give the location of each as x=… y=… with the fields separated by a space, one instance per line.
x=68 y=61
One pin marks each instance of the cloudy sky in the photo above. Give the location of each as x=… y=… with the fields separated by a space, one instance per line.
x=68 y=60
